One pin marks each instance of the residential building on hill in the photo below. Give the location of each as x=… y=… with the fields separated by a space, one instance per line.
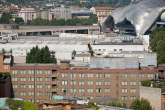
x=102 y=12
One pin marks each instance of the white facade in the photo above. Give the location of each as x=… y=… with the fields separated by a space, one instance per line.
x=28 y=14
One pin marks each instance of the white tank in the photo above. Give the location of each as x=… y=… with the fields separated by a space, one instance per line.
x=162 y=17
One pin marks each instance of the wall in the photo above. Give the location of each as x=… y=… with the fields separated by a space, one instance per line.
x=153 y=95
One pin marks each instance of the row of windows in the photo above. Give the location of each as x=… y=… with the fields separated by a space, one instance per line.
x=39 y=86
x=90 y=75
x=73 y=75
x=132 y=90
x=82 y=90
x=124 y=98
x=31 y=79
x=31 y=71
x=83 y=83
x=32 y=94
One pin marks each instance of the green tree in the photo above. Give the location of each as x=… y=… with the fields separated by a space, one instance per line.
x=157 y=44
x=19 y=20
x=5 y=18
x=29 y=106
x=93 y=19
x=14 y=104
x=43 y=55
x=141 y=104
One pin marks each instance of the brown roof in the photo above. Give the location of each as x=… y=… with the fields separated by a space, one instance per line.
x=104 y=8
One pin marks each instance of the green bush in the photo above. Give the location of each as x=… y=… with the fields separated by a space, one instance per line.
x=141 y=104
x=94 y=105
x=146 y=83
x=116 y=104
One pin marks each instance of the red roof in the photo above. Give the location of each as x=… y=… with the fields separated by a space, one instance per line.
x=104 y=8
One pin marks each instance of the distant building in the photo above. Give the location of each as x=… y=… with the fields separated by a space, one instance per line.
x=60 y=13
x=102 y=12
x=81 y=12
x=28 y=14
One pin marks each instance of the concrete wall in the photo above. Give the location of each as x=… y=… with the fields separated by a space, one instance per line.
x=153 y=95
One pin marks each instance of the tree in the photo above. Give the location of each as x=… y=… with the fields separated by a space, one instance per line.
x=141 y=104
x=42 y=55
x=19 y=20
x=157 y=43
x=24 y=105
x=29 y=106
x=5 y=18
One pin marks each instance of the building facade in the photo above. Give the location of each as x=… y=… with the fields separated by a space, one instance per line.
x=28 y=14
x=38 y=83
x=102 y=12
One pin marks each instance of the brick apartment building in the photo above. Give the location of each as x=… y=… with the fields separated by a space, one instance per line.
x=38 y=82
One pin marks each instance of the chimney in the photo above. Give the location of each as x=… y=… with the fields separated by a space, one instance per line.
x=64 y=64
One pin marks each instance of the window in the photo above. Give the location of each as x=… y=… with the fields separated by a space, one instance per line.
x=22 y=72
x=22 y=86
x=14 y=79
x=72 y=83
x=38 y=79
x=90 y=90
x=39 y=71
x=98 y=75
x=132 y=97
x=123 y=83
x=31 y=86
x=23 y=93
x=98 y=90
x=39 y=86
x=64 y=83
x=81 y=83
x=141 y=75
x=72 y=90
x=132 y=90
x=81 y=75
x=124 y=90
x=64 y=90
x=47 y=93
x=107 y=83
x=98 y=83
x=31 y=72
x=31 y=93
x=107 y=75
x=64 y=75
x=47 y=72
x=133 y=75
x=30 y=79
x=72 y=76
x=47 y=86
x=47 y=79
x=107 y=90
x=90 y=83
x=81 y=90
x=150 y=75
x=39 y=93
x=124 y=75
x=6 y=67
x=22 y=79
x=90 y=75
x=14 y=72
x=124 y=98
x=15 y=86
x=133 y=83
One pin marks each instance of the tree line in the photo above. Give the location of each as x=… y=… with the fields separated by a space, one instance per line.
x=43 y=55
x=157 y=44
x=6 y=18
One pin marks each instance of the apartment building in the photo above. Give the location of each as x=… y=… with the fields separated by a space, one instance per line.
x=28 y=14
x=102 y=12
x=40 y=82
